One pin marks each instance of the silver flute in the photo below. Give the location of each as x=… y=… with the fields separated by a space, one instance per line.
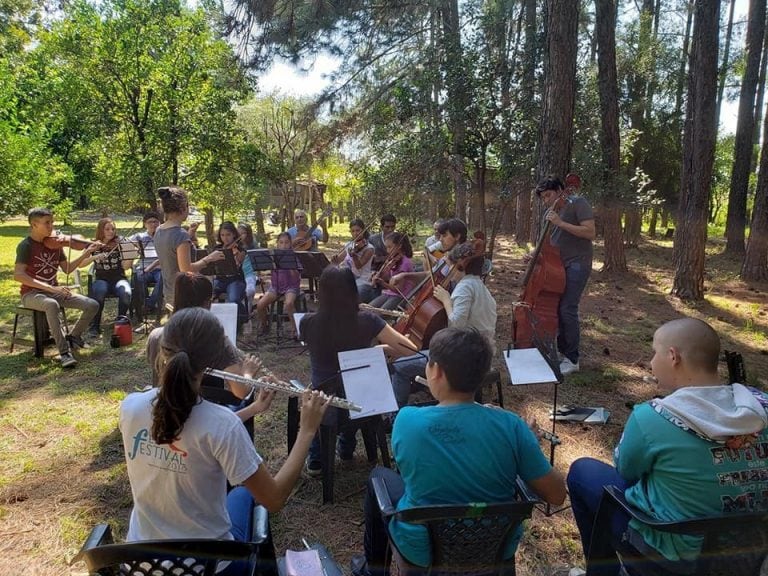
x=288 y=388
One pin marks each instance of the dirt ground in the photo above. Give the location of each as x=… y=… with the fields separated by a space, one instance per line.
x=619 y=316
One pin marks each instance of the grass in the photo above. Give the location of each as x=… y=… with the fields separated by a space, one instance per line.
x=63 y=470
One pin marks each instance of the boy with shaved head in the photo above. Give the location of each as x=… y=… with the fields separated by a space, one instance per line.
x=702 y=450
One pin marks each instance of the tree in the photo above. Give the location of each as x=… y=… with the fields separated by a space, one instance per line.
x=755 y=265
x=605 y=30
x=698 y=154
x=556 y=129
x=742 y=154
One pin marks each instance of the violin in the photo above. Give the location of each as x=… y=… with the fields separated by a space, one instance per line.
x=67 y=241
x=535 y=315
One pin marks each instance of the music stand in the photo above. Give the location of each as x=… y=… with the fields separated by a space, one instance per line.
x=312 y=264
x=145 y=323
x=276 y=259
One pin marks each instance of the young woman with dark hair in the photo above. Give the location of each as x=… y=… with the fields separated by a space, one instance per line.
x=173 y=243
x=358 y=257
x=337 y=326
x=399 y=258
x=181 y=449
x=233 y=285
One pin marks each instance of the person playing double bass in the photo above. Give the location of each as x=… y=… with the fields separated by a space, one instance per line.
x=573 y=233
x=469 y=305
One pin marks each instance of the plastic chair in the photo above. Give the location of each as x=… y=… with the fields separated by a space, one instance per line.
x=732 y=544
x=465 y=538
x=194 y=557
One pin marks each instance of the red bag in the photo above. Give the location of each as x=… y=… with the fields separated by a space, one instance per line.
x=123 y=330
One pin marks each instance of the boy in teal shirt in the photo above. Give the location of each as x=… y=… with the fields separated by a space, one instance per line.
x=700 y=451
x=455 y=452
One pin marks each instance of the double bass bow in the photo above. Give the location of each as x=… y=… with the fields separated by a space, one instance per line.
x=535 y=315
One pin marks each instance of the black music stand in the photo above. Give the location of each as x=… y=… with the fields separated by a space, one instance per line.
x=146 y=325
x=312 y=265
x=263 y=260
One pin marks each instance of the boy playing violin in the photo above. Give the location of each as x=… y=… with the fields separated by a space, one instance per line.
x=36 y=267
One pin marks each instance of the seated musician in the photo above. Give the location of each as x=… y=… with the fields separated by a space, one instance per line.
x=452 y=232
x=399 y=260
x=470 y=304
x=432 y=244
x=232 y=285
x=453 y=453
x=173 y=244
x=193 y=290
x=683 y=456
x=358 y=257
x=248 y=242
x=387 y=223
x=181 y=450
x=146 y=269
x=283 y=283
x=337 y=326
x=300 y=229
x=109 y=273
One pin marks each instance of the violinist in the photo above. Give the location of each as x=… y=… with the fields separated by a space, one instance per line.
x=358 y=257
x=37 y=264
x=108 y=273
x=399 y=260
x=573 y=233
x=173 y=243
x=387 y=223
x=232 y=285
x=469 y=305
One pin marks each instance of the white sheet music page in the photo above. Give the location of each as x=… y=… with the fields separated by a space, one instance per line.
x=227 y=314
x=528 y=366
x=297 y=316
x=369 y=387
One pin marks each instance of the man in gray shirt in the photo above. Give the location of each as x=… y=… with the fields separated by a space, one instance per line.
x=573 y=233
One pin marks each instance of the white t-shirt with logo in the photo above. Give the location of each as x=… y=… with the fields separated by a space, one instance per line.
x=180 y=489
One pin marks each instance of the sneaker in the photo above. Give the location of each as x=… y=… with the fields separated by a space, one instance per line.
x=313 y=469
x=76 y=342
x=93 y=334
x=67 y=360
x=568 y=367
x=359 y=565
x=576 y=572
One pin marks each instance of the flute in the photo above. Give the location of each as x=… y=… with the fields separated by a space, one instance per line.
x=279 y=386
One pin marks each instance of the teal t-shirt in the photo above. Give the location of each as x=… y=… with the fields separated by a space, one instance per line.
x=458 y=454
x=681 y=475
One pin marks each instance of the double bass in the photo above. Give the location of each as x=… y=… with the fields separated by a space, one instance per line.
x=535 y=315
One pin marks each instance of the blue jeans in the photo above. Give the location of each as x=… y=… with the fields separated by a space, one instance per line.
x=240 y=505
x=366 y=291
x=347 y=435
x=403 y=372
x=568 y=332
x=152 y=277
x=99 y=291
x=586 y=479
x=234 y=288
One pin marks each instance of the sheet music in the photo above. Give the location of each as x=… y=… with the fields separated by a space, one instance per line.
x=128 y=250
x=528 y=366
x=297 y=316
x=370 y=387
x=227 y=314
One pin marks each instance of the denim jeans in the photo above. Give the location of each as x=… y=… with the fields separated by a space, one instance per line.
x=568 y=333
x=51 y=304
x=586 y=479
x=152 y=277
x=403 y=372
x=100 y=289
x=234 y=288
x=240 y=505
x=347 y=435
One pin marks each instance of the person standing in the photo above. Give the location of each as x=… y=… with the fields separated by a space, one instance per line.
x=573 y=233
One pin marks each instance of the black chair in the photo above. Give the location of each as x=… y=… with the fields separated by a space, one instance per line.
x=195 y=557
x=732 y=544
x=374 y=440
x=465 y=538
x=492 y=378
x=39 y=329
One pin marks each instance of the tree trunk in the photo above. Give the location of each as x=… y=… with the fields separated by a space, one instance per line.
x=523 y=229
x=209 y=232
x=760 y=98
x=726 y=55
x=681 y=77
x=653 y=221
x=742 y=152
x=556 y=128
x=632 y=226
x=605 y=31
x=755 y=266
x=698 y=154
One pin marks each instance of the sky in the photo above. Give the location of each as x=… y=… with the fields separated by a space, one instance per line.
x=310 y=78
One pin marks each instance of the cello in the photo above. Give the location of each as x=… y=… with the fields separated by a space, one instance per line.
x=535 y=315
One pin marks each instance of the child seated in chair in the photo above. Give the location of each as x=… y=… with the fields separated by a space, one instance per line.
x=283 y=283
x=455 y=452
x=181 y=450
x=696 y=452
x=36 y=268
